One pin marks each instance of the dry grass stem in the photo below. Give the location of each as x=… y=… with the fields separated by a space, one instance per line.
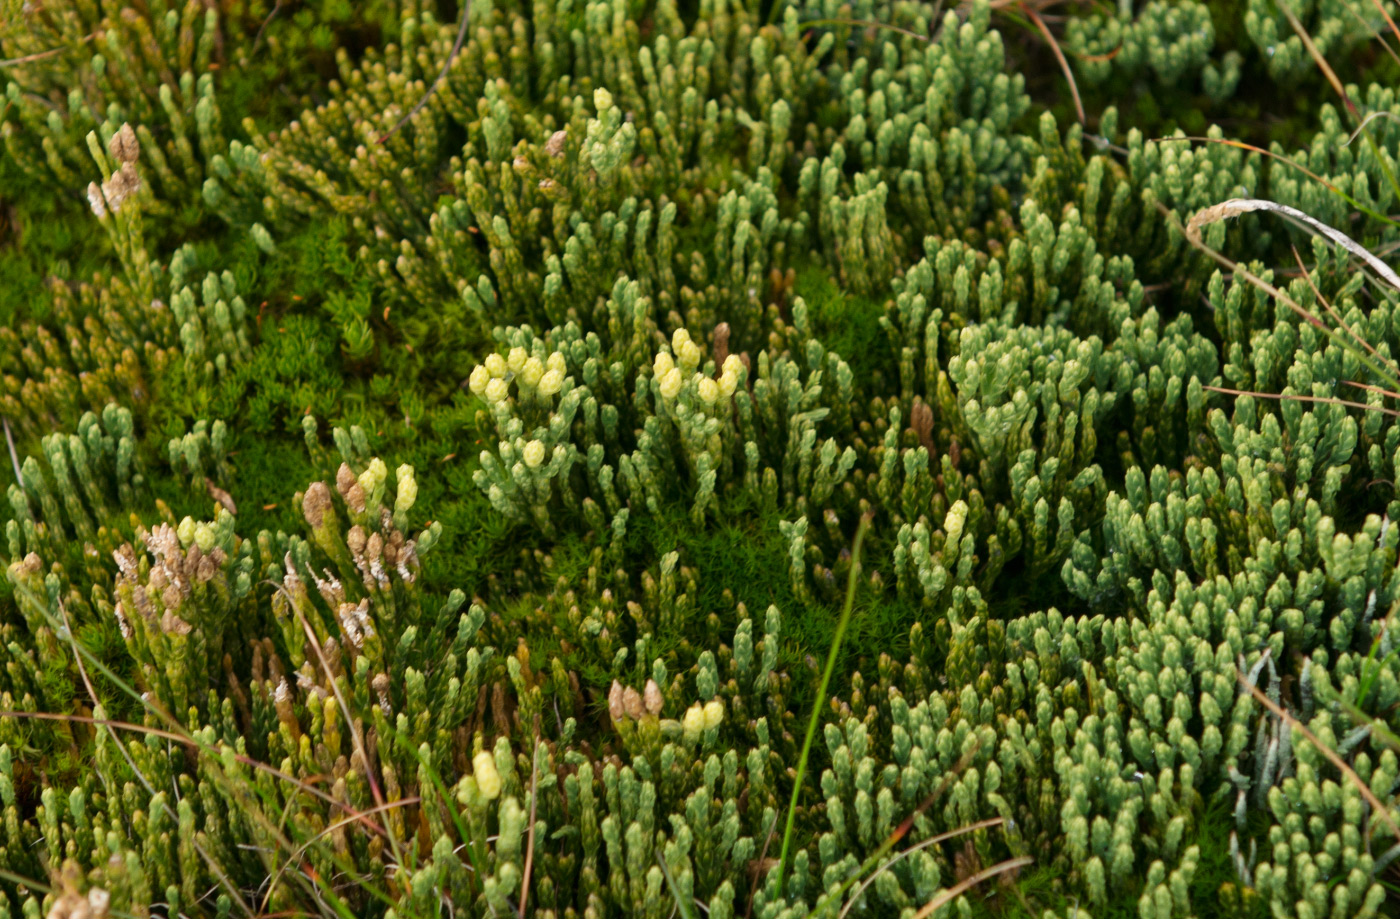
x=1237 y=206
x=1332 y=757
x=1011 y=864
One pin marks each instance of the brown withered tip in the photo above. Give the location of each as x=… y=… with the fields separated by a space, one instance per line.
x=350 y=489
x=651 y=697
x=721 y=344
x=123 y=146
x=172 y=624
x=221 y=496
x=921 y=420
x=555 y=145
x=616 y=709
x=632 y=703
x=315 y=504
x=124 y=183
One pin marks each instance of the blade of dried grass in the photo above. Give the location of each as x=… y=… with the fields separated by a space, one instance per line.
x=1332 y=757
x=1323 y=400
x=1059 y=56
x=1294 y=164
x=14 y=456
x=1194 y=237
x=1237 y=206
x=1307 y=276
x=530 y=845
x=1365 y=122
x=1375 y=33
x=442 y=74
x=192 y=742
x=1390 y=22
x=339 y=824
x=356 y=731
x=957 y=890
x=932 y=840
x=1340 y=90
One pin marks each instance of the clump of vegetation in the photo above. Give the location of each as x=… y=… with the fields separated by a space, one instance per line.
x=742 y=457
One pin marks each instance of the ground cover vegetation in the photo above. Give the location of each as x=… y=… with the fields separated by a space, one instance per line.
x=664 y=458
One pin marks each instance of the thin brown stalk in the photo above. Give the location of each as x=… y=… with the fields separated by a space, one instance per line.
x=937 y=792
x=1340 y=90
x=907 y=824
x=188 y=741
x=257 y=39
x=1332 y=757
x=530 y=841
x=1388 y=393
x=441 y=77
x=1391 y=22
x=1375 y=33
x=932 y=840
x=863 y=23
x=1237 y=206
x=1336 y=317
x=14 y=454
x=1295 y=398
x=1194 y=237
x=356 y=733
x=44 y=55
x=339 y=824
x=763 y=855
x=1059 y=56
x=1100 y=58
x=1316 y=55
x=1252 y=148
x=957 y=890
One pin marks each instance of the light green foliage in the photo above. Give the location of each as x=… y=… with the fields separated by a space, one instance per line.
x=1352 y=166
x=1166 y=39
x=1332 y=25
x=115 y=65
